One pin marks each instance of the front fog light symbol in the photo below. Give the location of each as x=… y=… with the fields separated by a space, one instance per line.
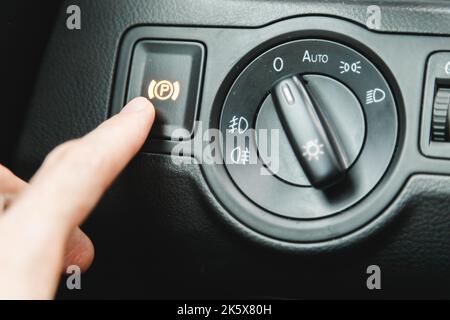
x=163 y=90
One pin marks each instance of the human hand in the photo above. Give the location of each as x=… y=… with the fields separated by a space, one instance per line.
x=39 y=233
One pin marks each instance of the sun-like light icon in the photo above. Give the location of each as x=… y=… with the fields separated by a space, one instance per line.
x=313 y=150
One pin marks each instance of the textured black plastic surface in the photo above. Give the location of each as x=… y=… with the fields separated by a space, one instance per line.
x=22 y=49
x=160 y=232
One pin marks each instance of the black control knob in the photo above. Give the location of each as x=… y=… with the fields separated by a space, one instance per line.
x=313 y=140
x=321 y=126
x=440 y=121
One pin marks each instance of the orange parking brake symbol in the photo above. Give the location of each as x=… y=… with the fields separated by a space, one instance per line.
x=163 y=90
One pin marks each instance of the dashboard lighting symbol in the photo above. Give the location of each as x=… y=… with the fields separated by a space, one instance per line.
x=375 y=96
x=313 y=150
x=163 y=90
x=350 y=67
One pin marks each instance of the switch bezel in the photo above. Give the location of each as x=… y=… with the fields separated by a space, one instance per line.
x=436 y=77
x=134 y=49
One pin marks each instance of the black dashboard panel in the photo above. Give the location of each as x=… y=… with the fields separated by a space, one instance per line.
x=22 y=52
x=177 y=230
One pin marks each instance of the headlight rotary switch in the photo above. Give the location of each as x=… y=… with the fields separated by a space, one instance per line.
x=336 y=120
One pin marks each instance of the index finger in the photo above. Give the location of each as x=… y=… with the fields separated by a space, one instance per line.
x=75 y=175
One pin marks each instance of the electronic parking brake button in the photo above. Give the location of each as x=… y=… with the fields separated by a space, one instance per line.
x=169 y=74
